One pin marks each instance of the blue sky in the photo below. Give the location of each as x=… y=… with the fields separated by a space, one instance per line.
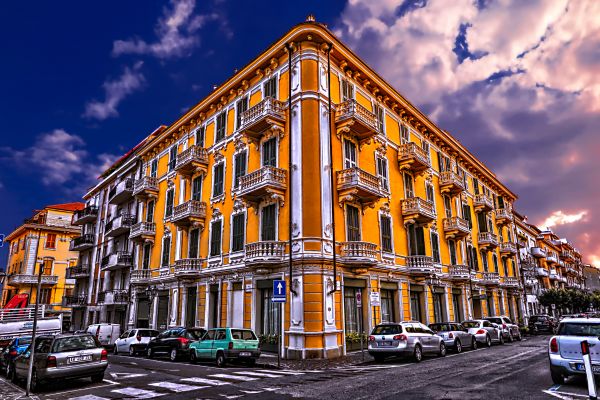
x=516 y=82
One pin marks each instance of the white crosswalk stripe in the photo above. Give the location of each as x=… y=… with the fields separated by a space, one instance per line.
x=259 y=374
x=177 y=387
x=88 y=397
x=138 y=393
x=205 y=381
x=234 y=377
x=281 y=372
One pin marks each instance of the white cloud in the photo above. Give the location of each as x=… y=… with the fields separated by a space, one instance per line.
x=115 y=92
x=175 y=33
x=560 y=218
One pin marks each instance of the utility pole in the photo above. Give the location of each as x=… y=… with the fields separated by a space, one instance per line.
x=35 y=317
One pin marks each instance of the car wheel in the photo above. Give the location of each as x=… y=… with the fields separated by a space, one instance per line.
x=488 y=341
x=501 y=339
x=474 y=344
x=510 y=337
x=557 y=377
x=115 y=350
x=252 y=362
x=149 y=353
x=193 y=358
x=98 y=377
x=379 y=358
x=418 y=354
x=458 y=346
x=519 y=337
x=132 y=352
x=35 y=383
x=442 y=352
x=220 y=361
x=173 y=355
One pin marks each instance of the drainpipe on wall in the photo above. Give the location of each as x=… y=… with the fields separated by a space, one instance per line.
x=290 y=50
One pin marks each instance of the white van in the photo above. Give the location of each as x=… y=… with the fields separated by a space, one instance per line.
x=105 y=333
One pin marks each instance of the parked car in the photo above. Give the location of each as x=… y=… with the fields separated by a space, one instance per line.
x=134 y=341
x=175 y=342
x=405 y=339
x=105 y=333
x=564 y=349
x=15 y=347
x=61 y=357
x=485 y=332
x=542 y=323
x=224 y=345
x=455 y=336
x=510 y=331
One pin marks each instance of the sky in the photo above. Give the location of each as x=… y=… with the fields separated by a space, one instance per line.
x=515 y=81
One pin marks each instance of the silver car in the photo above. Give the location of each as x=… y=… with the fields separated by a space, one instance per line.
x=404 y=339
x=62 y=357
x=134 y=341
x=510 y=331
x=455 y=336
x=485 y=332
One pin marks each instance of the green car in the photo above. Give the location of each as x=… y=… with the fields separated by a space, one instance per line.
x=226 y=344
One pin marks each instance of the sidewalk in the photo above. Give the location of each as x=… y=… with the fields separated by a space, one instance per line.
x=269 y=360
x=8 y=391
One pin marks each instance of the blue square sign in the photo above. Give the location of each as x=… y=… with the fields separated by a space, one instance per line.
x=279 y=292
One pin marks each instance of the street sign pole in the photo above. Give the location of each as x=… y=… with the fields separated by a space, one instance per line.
x=279 y=296
x=587 y=362
x=33 y=332
x=360 y=318
x=279 y=337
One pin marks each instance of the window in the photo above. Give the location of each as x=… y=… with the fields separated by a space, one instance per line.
x=463 y=174
x=239 y=227
x=23 y=244
x=268 y=222
x=352 y=224
x=166 y=251
x=172 y=157
x=495 y=258
x=240 y=107
x=481 y=222
x=200 y=132
x=404 y=134
x=456 y=303
x=269 y=153
x=443 y=162
x=409 y=191
x=194 y=243
x=435 y=247
x=382 y=173
x=221 y=126
x=438 y=307
x=270 y=88
x=387 y=305
x=379 y=114
x=475 y=186
x=466 y=212
x=197 y=188
x=429 y=193
x=51 y=241
x=45 y=295
x=452 y=249
x=169 y=203
x=239 y=161
x=448 y=206
x=425 y=146
x=218 y=181
x=154 y=168
x=347 y=90
x=500 y=200
x=47 y=267
x=352 y=320
x=416 y=240
x=150 y=211
x=484 y=260
x=147 y=252
x=350 y=160
x=215 y=238
x=269 y=313
x=505 y=266
x=386 y=233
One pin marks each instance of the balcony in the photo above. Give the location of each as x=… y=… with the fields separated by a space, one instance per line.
x=140 y=277
x=482 y=203
x=510 y=282
x=356 y=120
x=31 y=279
x=530 y=282
x=508 y=248
x=143 y=231
x=74 y=301
x=119 y=225
x=190 y=213
x=458 y=273
x=503 y=216
x=120 y=259
x=113 y=297
x=451 y=183
x=554 y=275
x=188 y=267
x=552 y=259
x=87 y=215
x=456 y=227
x=563 y=279
x=265 y=252
x=420 y=265
x=264 y=182
x=192 y=160
x=78 y=271
x=145 y=187
x=121 y=192
x=359 y=185
x=269 y=114
x=538 y=252
x=541 y=272
x=567 y=256
x=417 y=210
x=82 y=242
x=361 y=253
x=487 y=240
x=412 y=157
x=489 y=279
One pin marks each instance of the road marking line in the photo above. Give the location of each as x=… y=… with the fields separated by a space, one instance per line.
x=259 y=374
x=568 y=396
x=177 y=387
x=138 y=393
x=554 y=388
x=270 y=389
x=125 y=375
x=251 y=391
x=206 y=381
x=234 y=377
x=231 y=396
x=282 y=372
x=88 y=397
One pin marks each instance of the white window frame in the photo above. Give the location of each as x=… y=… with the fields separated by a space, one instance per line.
x=189 y=233
x=358 y=207
x=387 y=215
x=241 y=150
x=231 y=252
x=431 y=232
x=356 y=163
x=212 y=186
x=165 y=210
x=162 y=246
x=224 y=111
x=404 y=184
x=343 y=79
x=197 y=131
x=220 y=255
x=262 y=142
x=260 y=208
x=375 y=105
x=387 y=171
x=247 y=97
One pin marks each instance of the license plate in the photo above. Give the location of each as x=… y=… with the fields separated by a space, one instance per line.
x=245 y=354
x=595 y=368
x=78 y=359
x=385 y=343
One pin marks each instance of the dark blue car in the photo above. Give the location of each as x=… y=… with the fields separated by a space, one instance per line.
x=16 y=347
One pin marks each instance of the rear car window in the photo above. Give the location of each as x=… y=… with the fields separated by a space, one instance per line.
x=195 y=334
x=470 y=324
x=441 y=327
x=242 y=334
x=74 y=343
x=147 y=333
x=495 y=320
x=387 y=330
x=579 y=329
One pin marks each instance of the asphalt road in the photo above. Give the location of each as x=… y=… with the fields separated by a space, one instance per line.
x=513 y=371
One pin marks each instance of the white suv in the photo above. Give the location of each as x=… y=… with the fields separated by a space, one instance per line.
x=510 y=331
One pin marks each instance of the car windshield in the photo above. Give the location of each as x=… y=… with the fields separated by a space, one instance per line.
x=470 y=324
x=495 y=320
x=147 y=333
x=579 y=329
x=440 y=327
x=74 y=343
x=242 y=334
x=387 y=330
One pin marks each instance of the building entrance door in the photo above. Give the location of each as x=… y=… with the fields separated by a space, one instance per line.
x=190 y=307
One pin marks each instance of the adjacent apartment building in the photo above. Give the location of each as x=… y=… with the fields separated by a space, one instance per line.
x=305 y=166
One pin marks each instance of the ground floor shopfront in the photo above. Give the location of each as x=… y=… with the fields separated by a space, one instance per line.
x=321 y=318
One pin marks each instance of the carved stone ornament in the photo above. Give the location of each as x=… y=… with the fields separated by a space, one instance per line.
x=219 y=155
x=238 y=206
x=327 y=232
x=216 y=214
x=260 y=73
x=381 y=144
x=385 y=208
x=240 y=143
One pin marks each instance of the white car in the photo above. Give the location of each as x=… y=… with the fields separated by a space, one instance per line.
x=134 y=341
x=510 y=331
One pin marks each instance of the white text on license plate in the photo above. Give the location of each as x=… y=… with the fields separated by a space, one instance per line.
x=386 y=343
x=78 y=359
x=595 y=368
x=245 y=353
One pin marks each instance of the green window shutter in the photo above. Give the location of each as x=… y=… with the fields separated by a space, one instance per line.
x=215 y=238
